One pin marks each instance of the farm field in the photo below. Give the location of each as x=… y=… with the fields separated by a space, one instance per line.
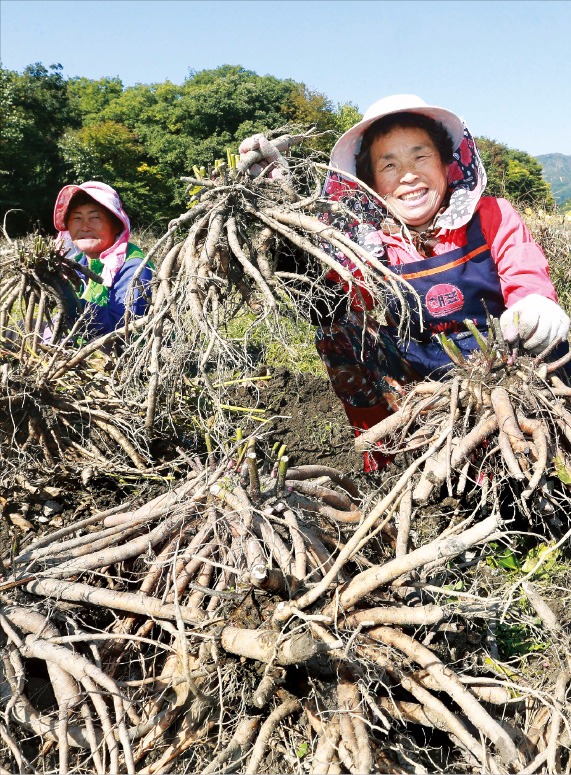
x=198 y=577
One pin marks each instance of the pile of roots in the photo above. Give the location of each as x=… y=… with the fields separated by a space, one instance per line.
x=500 y=417
x=245 y=246
x=257 y=246
x=253 y=616
x=60 y=407
x=264 y=618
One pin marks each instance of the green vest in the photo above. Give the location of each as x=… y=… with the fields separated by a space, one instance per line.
x=96 y=293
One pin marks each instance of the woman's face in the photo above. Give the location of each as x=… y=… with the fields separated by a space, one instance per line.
x=92 y=229
x=409 y=173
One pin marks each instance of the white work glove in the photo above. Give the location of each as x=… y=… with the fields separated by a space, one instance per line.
x=541 y=323
x=270 y=154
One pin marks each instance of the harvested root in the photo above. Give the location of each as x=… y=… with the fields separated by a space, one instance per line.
x=209 y=612
x=515 y=436
x=259 y=247
x=257 y=617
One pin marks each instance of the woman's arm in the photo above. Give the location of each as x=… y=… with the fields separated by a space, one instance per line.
x=532 y=317
x=522 y=265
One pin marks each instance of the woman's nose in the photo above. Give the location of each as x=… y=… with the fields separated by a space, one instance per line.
x=408 y=177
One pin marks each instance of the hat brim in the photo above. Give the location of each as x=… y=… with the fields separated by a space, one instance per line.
x=100 y=193
x=62 y=205
x=349 y=144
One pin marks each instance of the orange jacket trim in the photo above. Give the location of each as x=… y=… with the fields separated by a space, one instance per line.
x=444 y=267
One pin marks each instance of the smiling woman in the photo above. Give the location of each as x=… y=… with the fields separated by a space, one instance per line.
x=92 y=228
x=408 y=169
x=91 y=217
x=464 y=254
x=410 y=181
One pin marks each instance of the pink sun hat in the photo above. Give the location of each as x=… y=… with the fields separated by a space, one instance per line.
x=100 y=192
x=349 y=144
x=114 y=257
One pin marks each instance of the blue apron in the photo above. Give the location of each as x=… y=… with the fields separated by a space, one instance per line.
x=462 y=283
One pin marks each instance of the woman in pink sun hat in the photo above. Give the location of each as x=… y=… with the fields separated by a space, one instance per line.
x=422 y=212
x=90 y=218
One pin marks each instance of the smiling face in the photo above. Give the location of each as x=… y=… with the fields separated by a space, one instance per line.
x=409 y=173
x=92 y=228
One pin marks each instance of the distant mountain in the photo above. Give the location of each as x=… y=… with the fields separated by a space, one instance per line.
x=557 y=172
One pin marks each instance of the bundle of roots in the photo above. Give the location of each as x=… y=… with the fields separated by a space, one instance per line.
x=258 y=245
x=261 y=618
x=501 y=421
x=38 y=293
x=60 y=404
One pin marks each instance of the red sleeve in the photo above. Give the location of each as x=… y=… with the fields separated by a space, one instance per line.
x=522 y=265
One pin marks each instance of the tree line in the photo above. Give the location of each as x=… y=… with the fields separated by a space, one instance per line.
x=141 y=139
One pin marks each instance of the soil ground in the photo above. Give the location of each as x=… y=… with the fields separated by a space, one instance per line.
x=307 y=417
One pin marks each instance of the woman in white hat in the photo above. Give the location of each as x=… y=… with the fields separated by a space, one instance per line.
x=92 y=218
x=421 y=211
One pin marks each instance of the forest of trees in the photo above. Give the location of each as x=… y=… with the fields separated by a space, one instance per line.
x=142 y=139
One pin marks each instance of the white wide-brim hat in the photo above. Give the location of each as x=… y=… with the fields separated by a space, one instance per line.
x=349 y=144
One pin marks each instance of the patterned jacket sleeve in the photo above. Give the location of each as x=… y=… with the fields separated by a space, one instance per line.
x=359 y=219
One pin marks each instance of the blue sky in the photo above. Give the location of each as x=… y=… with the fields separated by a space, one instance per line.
x=503 y=65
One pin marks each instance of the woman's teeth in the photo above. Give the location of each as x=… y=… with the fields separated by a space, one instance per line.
x=413 y=195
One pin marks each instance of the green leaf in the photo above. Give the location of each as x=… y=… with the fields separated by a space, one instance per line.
x=536 y=554
x=503 y=558
x=502 y=669
x=561 y=470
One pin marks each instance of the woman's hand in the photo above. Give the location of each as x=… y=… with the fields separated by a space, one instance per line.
x=264 y=153
x=536 y=322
